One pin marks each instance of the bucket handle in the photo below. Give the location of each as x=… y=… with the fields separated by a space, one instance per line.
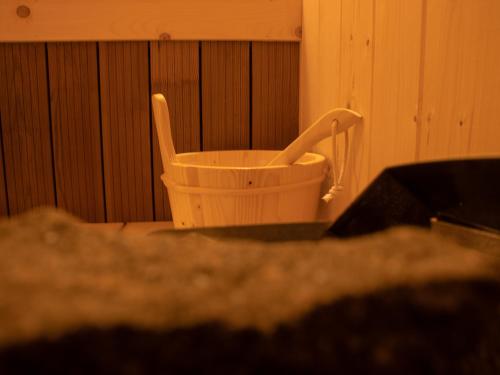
x=163 y=128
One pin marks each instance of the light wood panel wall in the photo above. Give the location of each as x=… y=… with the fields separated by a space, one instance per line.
x=461 y=79
x=76 y=124
x=424 y=74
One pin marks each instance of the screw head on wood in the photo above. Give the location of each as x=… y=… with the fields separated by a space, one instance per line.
x=165 y=36
x=23 y=11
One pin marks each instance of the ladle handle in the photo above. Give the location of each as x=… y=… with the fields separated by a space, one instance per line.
x=316 y=132
x=162 y=120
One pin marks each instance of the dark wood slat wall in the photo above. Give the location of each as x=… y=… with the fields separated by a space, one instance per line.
x=76 y=134
x=225 y=95
x=4 y=206
x=93 y=149
x=126 y=130
x=275 y=94
x=175 y=74
x=26 y=137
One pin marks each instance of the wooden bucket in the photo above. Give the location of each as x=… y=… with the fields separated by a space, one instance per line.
x=223 y=188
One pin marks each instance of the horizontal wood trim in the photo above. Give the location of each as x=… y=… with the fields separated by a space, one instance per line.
x=78 y=20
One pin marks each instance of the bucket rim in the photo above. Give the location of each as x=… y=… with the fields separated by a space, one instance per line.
x=203 y=190
x=317 y=159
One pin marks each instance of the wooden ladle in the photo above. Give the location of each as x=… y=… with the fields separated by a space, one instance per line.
x=321 y=129
x=332 y=123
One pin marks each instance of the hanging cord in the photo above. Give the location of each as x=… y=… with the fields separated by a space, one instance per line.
x=337 y=178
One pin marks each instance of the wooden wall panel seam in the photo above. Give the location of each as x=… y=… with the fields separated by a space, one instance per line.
x=151 y=135
x=200 y=103
x=50 y=125
x=250 y=95
x=101 y=141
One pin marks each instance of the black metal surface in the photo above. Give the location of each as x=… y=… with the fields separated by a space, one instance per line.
x=466 y=190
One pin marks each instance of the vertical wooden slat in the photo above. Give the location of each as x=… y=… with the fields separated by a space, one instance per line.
x=275 y=94
x=124 y=77
x=353 y=33
x=225 y=95
x=24 y=109
x=75 y=128
x=309 y=63
x=330 y=18
x=356 y=85
x=175 y=74
x=461 y=79
x=396 y=69
x=4 y=208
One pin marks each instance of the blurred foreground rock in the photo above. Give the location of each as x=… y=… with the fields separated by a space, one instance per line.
x=73 y=300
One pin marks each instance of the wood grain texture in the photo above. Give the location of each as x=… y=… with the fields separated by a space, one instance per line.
x=329 y=62
x=126 y=130
x=356 y=85
x=337 y=61
x=461 y=80
x=4 y=205
x=275 y=99
x=76 y=130
x=396 y=68
x=25 y=122
x=423 y=73
x=309 y=65
x=217 y=196
x=225 y=95
x=175 y=74
x=79 y=20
